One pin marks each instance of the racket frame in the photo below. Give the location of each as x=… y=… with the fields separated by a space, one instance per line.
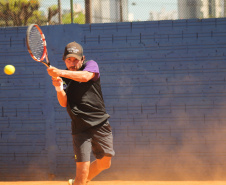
x=45 y=54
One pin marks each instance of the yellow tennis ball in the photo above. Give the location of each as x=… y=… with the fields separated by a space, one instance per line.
x=9 y=69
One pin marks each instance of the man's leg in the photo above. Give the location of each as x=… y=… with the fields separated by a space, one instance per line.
x=98 y=166
x=82 y=172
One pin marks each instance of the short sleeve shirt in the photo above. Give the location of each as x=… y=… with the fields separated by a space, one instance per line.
x=85 y=100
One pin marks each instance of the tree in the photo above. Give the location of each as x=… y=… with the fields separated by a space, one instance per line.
x=18 y=12
x=53 y=10
x=38 y=17
x=5 y=13
x=22 y=12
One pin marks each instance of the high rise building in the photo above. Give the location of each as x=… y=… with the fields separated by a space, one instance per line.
x=224 y=2
x=188 y=9
x=212 y=8
x=103 y=11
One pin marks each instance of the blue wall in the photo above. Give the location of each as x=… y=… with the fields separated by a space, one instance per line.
x=164 y=85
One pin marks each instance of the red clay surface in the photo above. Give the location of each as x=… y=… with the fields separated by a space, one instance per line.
x=117 y=183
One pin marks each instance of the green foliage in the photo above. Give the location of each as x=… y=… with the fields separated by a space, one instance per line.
x=18 y=12
x=38 y=18
x=66 y=18
x=78 y=18
x=53 y=10
x=24 y=12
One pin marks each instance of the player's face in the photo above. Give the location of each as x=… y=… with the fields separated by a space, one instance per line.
x=73 y=64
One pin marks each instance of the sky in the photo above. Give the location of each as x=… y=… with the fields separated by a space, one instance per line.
x=143 y=7
x=139 y=8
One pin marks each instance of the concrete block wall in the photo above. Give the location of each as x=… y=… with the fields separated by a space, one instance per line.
x=163 y=84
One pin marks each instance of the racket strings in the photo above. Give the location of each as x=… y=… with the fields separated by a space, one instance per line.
x=36 y=43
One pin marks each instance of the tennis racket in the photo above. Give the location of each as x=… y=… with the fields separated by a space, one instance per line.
x=36 y=44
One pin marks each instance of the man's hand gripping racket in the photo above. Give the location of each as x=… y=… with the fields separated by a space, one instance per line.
x=37 y=47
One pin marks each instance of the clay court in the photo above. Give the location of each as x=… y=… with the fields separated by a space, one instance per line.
x=117 y=183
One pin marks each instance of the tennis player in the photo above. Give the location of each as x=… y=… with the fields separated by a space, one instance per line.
x=78 y=88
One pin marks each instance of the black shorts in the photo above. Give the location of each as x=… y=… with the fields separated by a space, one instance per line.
x=97 y=139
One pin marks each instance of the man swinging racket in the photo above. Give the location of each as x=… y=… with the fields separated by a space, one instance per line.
x=82 y=95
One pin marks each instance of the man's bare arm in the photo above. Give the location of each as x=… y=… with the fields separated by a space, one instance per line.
x=80 y=76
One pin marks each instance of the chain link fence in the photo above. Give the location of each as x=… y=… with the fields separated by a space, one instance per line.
x=51 y=12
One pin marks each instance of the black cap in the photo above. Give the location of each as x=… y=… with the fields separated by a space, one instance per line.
x=73 y=49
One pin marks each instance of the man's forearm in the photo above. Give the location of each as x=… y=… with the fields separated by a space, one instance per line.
x=62 y=98
x=79 y=76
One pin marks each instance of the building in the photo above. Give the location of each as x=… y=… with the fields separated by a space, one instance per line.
x=77 y=8
x=103 y=11
x=212 y=8
x=188 y=9
x=163 y=14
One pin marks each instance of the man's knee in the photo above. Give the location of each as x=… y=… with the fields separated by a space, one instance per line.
x=104 y=163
